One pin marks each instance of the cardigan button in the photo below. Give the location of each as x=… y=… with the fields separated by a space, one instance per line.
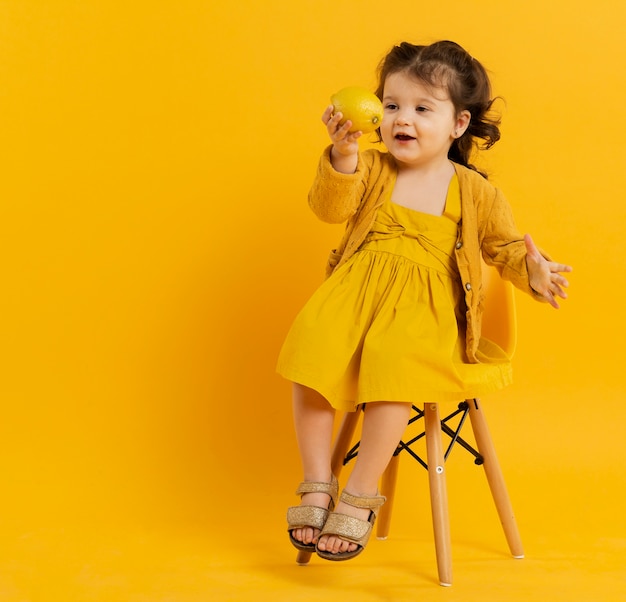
x=468 y=286
x=459 y=245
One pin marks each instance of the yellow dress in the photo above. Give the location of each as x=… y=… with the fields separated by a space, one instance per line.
x=389 y=324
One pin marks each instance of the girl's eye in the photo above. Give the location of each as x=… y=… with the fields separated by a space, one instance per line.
x=421 y=109
x=391 y=106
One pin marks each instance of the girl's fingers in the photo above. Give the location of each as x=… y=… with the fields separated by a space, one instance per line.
x=345 y=129
x=342 y=133
x=328 y=113
x=546 y=275
x=335 y=119
x=557 y=278
x=561 y=281
x=550 y=297
x=552 y=301
x=334 y=129
x=531 y=249
x=561 y=267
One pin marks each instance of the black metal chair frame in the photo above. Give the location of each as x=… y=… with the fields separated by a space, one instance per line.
x=454 y=434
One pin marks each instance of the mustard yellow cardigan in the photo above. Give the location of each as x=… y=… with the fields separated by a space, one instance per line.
x=486 y=229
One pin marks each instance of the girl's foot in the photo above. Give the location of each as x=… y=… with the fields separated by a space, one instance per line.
x=347 y=530
x=306 y=520
x=308 y=535
x=333 y=544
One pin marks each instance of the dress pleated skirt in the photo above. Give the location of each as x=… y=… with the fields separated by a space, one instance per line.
x=389 y=325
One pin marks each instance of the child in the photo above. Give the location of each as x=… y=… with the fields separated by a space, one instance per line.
x=397 y=321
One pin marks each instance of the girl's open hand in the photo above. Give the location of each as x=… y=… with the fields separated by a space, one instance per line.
x=344 y=143
x=544 y=276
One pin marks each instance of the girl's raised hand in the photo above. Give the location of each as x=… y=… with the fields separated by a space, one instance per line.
x=544 y=276
x=344 y=142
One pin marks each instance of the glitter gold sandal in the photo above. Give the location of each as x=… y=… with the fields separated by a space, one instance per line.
x=301 y=517
x=349 y=528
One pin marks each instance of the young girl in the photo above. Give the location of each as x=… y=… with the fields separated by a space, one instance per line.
x=397 y=321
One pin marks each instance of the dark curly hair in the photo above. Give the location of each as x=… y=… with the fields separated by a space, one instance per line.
x=447 y=64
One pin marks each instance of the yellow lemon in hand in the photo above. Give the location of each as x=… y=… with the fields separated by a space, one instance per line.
x=360 y=106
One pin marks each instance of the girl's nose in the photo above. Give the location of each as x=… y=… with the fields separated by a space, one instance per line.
x=402 y=118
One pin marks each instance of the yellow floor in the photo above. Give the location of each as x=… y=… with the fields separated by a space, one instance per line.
x=209 y=525
x=573 y=531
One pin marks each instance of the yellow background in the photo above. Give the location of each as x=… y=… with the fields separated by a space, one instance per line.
x=155 y=245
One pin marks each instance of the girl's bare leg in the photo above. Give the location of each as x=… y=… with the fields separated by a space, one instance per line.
x=383 y=426
x=313 y=419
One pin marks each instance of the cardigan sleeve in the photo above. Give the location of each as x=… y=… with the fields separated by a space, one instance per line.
x=503 y=245
x=335 y=197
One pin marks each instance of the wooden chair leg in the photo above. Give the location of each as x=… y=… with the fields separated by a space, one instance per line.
x=303 y=557
x=495 y=478
x=438 y=493
x=388 y=489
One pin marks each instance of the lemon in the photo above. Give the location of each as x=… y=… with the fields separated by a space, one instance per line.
x=360 y=106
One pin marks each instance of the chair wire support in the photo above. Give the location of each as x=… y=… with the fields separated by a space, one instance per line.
x=453 y=433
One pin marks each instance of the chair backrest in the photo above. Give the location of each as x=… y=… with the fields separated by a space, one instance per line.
x=499 y=318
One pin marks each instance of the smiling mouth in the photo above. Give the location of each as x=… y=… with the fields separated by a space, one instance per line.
x=404 y=137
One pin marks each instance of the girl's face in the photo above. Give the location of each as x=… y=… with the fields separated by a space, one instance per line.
x=419 y=121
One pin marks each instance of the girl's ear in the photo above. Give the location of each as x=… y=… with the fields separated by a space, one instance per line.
x=462 y=123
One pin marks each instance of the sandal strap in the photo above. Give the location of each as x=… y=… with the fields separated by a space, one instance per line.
x=371 y=502
x=349 y=528
x=331 y=489
x=300 y=517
